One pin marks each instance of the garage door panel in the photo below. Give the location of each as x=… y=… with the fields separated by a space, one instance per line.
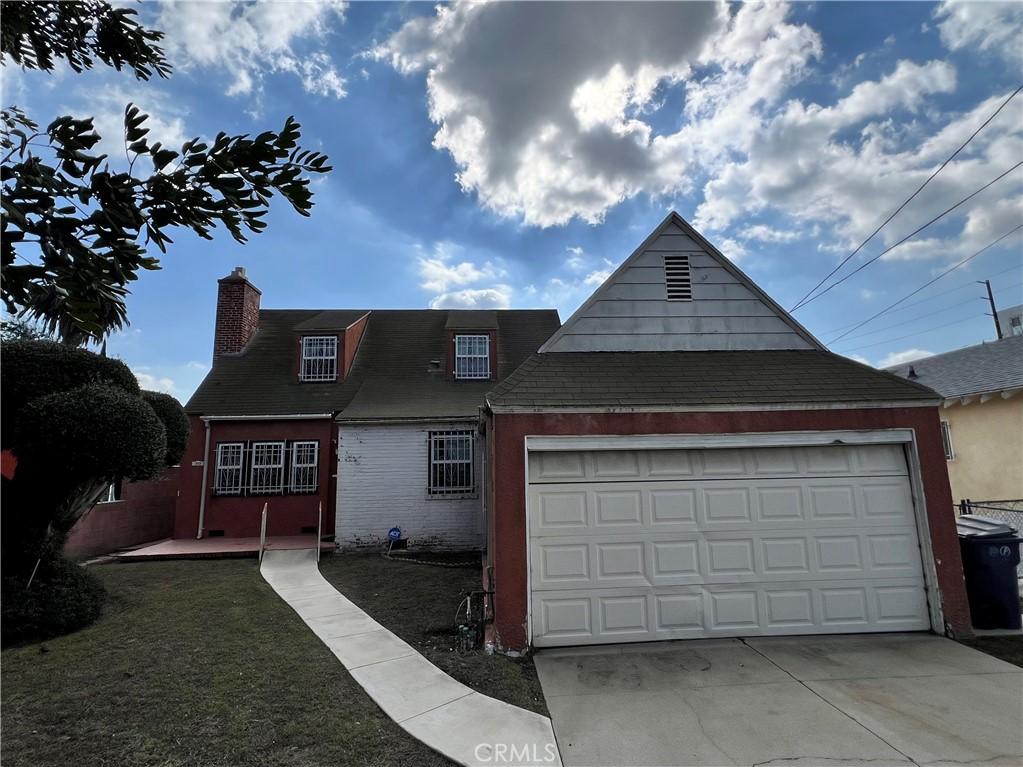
x=593 y=509
x=614 y=465
x=726 y=610
x=665 y=559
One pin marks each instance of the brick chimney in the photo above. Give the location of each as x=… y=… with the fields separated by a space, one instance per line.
x=237 y=313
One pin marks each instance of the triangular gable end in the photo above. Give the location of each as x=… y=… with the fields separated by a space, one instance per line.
x=717 y=308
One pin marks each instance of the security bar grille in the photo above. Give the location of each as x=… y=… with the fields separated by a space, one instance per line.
x=304 y=465
x=267 y=468
x=451 y=463
x=319 y=358
x=677 y=278
x=472 y=357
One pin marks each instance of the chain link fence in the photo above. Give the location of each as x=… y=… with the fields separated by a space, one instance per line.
x=1009 y=512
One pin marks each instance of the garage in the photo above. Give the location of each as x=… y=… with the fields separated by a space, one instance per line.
x=651 y=544
x=683 y=459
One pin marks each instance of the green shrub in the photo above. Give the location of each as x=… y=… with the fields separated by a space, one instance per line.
x=32 y=369
x=94 y=431
x=175 y=423
x=63 y=597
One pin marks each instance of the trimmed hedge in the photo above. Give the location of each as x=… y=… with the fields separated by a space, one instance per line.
x=175 y=422
x=94 y=431
x=63 y=597
x=32 y=369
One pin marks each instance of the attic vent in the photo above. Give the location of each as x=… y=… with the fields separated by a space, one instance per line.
x=677 y=278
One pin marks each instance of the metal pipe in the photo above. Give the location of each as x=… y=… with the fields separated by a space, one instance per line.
x=262 y=532
x=319 y=531
x=205 y=474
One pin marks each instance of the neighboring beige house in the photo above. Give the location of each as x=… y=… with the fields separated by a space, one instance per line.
x=982 y=418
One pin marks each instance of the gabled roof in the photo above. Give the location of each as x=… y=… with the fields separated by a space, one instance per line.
x=989 y=367
x=630 y=311
x=393 y=375
x=693 y=380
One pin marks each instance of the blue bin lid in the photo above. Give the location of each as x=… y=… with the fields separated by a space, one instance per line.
x=970 y=526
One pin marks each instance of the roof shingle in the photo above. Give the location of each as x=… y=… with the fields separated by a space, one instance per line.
x=987 y=367
x=672 y=379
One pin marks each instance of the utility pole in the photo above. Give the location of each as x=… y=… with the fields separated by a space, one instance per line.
x=994 y=311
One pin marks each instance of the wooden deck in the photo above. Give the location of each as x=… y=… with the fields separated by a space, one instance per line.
x=210 y=548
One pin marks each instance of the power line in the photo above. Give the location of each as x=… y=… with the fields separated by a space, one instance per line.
x=936 y=295
x=929 y=282
x=908 y=199
x=912 y=234
x=930 y=314
x=910 y=335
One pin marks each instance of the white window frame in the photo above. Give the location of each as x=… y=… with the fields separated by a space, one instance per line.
x=319 y=359
x=228 y=479
x=946 y=441
x=272 y=482
x=1016 y=326
x=309 y=483
x=472 y=356
x=467 y=472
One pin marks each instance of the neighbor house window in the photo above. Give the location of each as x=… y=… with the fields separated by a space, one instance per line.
x=319 y=358
x=946 y=441
x=228 y=477
x=304 y=465
x=472 y=357
x=451 y=464
x=1016 y=326
x=266 y=474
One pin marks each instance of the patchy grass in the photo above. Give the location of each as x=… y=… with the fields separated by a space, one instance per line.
x=1007 y=648
x=418 y=603
x=194 y=663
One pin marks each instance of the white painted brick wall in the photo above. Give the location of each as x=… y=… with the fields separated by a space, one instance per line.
x=382 y=481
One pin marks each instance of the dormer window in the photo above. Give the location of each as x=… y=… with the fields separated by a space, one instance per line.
x=319 y=358
x=472 y=357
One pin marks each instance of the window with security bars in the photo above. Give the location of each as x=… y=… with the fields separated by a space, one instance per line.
x=319 y=358
x=267 y=468
x=230 y=462
x=472 y=357
x=304 y=465
x=451 y=463
x=678 y=279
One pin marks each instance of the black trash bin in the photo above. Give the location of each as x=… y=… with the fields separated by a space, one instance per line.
x=990 y=552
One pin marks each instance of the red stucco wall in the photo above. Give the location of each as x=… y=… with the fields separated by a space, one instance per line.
x=239 y=517
x=506 y=549
x=144 y=513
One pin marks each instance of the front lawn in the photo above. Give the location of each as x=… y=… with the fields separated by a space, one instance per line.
x=193 y=663
x=418 y=603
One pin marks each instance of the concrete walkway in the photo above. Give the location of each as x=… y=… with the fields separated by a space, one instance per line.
x=453 y=719
x=882 y=699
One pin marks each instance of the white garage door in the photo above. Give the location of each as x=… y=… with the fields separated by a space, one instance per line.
x=629 y=546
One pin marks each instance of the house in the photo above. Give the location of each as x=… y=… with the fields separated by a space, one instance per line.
x=682 y=459
x=981 y=416
x=367 y=416
x=1010 y=321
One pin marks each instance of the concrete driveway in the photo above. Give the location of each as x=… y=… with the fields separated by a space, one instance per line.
x=870 y=699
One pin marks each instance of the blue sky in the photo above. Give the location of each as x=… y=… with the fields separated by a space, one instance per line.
x=512 y=154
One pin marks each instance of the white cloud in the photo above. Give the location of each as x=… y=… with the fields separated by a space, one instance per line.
x=438 y=271
x=153 y=382
x=496 y=297
x=733 y=249
x=543 y=120
x=900 y=358
x=166 y=121
x=867 y=294
x=985 y=26
x=764 y=233
x=250 y=40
